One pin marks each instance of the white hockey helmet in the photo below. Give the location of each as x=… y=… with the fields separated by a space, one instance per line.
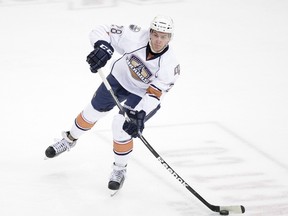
x=162 y=23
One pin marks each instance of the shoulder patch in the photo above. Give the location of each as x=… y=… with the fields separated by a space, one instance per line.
x=134 y=28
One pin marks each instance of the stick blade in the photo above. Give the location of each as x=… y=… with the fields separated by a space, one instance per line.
x=233 y=209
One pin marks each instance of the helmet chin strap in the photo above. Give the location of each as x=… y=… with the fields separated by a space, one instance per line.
x=154 y=50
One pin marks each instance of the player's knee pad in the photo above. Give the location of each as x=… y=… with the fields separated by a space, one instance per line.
x=92 y=114
x=88 y=117
x=119 y=134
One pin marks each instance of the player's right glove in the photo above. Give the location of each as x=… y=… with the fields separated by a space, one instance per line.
x=98 y=58
x=136 y=123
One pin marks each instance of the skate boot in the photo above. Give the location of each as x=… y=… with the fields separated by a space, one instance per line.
x=117 y=177
x=61 y=146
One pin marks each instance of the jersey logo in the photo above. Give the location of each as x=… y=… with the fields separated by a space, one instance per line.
x=135 y=28
x=138 y=70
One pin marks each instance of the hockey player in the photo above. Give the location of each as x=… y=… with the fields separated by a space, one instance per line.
x=140 y=78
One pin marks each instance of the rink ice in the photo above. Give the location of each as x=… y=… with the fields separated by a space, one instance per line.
x=224 y=169
x=223 y=127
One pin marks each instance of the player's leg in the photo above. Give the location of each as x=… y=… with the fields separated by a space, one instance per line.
x=123 y=143
x=100 y=105
x=122 y=148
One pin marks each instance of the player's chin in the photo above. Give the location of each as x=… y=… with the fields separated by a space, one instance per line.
x=158 y=48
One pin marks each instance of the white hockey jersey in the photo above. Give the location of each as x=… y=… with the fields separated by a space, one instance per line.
x=150 y=79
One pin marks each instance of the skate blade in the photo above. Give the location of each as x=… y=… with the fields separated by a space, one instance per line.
x=113 y=192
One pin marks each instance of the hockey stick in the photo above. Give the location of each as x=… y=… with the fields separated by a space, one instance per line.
x=224 y=210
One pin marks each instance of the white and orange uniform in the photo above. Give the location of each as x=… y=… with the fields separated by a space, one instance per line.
x=148 y=78
x=133 y=71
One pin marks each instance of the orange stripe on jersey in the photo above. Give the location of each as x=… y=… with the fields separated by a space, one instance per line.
x=82 y=123
x=123 y=148
x=154 y=91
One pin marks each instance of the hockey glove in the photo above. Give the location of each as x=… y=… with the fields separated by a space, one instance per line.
x=136 y=123
x=98 y=58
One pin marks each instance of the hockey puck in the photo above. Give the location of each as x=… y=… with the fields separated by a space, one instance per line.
x=224 y=212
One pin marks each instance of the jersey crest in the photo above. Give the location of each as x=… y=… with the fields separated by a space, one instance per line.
x=138 y=70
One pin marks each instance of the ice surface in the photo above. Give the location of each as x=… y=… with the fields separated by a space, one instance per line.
x=223 y=127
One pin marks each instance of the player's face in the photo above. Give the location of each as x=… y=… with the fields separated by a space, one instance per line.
x=159 y=40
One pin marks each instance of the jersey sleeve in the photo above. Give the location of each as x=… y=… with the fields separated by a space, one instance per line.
x=158 y=88
x=110 y=33
x=120 y=37
x=100 y=32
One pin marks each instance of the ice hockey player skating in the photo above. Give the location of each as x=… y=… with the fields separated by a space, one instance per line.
x=140 y=78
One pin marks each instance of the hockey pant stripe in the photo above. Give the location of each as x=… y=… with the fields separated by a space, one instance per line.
x=122 y=148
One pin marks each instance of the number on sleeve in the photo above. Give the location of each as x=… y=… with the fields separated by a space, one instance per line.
x=116 y=29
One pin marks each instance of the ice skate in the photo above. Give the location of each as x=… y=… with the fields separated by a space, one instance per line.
x=61 y=146
x=117 y=178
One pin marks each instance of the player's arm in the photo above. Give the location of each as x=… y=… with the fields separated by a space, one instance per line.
x=103 y=50
x=100 y=32
x=158 y=88
x=104 y=39
x=148 y=104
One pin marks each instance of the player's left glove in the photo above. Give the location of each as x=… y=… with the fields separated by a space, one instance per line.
x=136 y=123
x=98 y=58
